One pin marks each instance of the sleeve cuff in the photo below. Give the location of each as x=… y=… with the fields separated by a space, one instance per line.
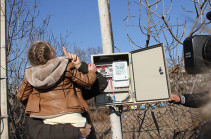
x=83 y=67
x=182 y=100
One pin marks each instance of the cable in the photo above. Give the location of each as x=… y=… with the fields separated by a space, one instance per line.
x=142 y=121
x=2 y=125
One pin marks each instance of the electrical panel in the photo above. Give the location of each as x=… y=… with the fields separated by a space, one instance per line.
x=136 y=77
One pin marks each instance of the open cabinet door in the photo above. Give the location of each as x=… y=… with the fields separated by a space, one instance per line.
x=150 y=74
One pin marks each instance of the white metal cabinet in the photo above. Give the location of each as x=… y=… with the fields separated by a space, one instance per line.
x=148 y=77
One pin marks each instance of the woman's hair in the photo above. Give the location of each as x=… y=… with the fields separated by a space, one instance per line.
x=40 y=52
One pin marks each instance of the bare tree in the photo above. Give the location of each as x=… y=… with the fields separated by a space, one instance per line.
x=160 y=25
x=20 y=30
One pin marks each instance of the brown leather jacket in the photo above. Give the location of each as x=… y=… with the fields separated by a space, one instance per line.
x=49 y=99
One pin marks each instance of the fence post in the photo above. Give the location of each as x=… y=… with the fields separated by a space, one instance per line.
x=108 y=47
x=3 y=73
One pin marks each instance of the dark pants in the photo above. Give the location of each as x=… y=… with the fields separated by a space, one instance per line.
x=38 y=130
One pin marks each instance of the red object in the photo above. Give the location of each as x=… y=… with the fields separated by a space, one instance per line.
x=111 y=83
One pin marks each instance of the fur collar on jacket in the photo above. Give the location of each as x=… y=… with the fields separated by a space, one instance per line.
x=46 y=76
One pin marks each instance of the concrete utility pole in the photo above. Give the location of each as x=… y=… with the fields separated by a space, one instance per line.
x=3 y=73
x=108 y=47
x=106 y=28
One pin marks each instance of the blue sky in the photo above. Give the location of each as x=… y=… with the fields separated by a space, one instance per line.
x=81 y=19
